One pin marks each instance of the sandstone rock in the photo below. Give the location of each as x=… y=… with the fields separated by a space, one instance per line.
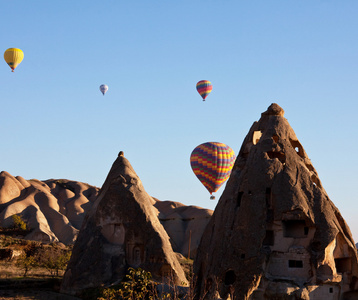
x=121 y=230
x=55 y=204
x=54 y=209
x=184 y=224
x=10 y=188
x=275 y=234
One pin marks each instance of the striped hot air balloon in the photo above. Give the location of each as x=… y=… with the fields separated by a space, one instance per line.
x=204 y=88
x=13 y=57
x=212 y=163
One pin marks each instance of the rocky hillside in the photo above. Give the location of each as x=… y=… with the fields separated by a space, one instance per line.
x=54 y=210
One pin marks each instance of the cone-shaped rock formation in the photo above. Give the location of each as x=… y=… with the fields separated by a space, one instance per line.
x=121 y=230
x=275 y=234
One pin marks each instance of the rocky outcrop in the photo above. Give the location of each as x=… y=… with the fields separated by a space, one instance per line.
x=184 y=224
x=275 y=234
x=55 y=209
x=121 y=230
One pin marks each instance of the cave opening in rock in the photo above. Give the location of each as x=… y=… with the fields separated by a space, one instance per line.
x=295 y=228
x=295 y=264
x=230 y=277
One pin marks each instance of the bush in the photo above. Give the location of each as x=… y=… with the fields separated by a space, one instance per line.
x=19 y=223
x=26 y=263
x=53 y=259
x=136 y=285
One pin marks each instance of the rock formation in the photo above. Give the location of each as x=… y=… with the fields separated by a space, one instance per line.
x=184 y=224
x=59 y=216
x=121 y=230
x=54 y=209
x=275 y=234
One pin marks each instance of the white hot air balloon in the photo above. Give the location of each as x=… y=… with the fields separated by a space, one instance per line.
x=103 y=88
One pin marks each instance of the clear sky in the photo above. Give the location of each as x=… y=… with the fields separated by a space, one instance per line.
x=55 y=123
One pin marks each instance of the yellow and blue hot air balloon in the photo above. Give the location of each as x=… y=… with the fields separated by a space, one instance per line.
x=204 y=88
x=212 y=163
x=13 y=57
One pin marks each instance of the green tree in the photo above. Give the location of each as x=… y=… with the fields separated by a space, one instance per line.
x=26 y=263
x=53 y=259
x=136 y=285
x=19 y=223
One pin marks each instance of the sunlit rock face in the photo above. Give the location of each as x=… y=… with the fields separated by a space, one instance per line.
x=184 y=225
x=121 y=230
x=275 y=234
x=54 y=209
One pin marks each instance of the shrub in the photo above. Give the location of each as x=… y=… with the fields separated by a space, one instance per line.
x=26 y=263
x=19 y=223
x=136 y=285
x=53 y=259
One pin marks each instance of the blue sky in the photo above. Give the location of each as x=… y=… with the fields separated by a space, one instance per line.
x=55 y=123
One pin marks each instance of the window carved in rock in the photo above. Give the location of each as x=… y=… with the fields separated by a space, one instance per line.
x=295 y=264
x=269 y=239
x=298 y=147
x=230 y=277
x=238 y=200
x=343 y=265
x=256 y=137
x=315 y=180
x=295 y=228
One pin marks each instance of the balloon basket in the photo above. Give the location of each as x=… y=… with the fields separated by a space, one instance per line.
x=212 y=198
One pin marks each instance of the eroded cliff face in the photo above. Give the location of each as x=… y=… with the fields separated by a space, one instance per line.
x=121 y=230
x=275 y=234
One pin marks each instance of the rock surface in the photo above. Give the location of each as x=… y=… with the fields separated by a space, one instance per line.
x=275 y=234
x=55 y=210
x=121 y=230
x=184 y=224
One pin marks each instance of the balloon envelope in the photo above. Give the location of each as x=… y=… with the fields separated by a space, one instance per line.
x=103 y=88
x=212 y=163
x=13 y=56
x=204 y=88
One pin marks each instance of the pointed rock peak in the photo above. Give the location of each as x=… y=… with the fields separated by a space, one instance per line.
x=122 y=230
x=121 y=172
x=275 y=232
x=274 y=110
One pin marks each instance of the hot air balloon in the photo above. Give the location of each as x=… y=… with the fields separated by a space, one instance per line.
x=212 y=163
x=13 y=56
x=204 y=88
x=103 y=88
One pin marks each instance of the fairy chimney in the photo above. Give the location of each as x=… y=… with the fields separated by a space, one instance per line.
x=275 y=234
x=121 y=230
